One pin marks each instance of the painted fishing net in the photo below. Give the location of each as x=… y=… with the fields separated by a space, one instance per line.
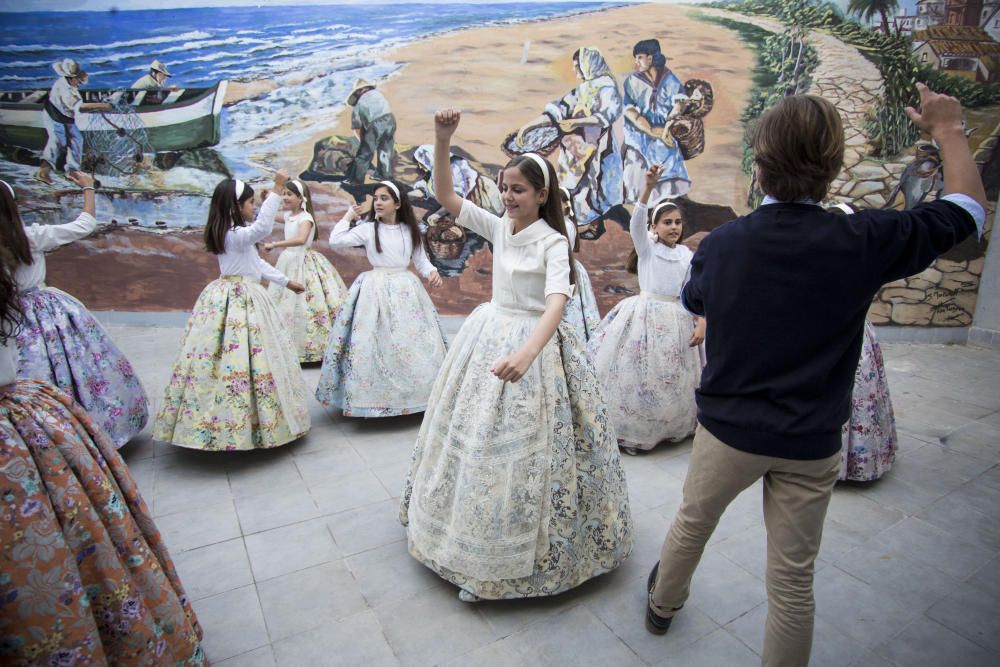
x=116 y=142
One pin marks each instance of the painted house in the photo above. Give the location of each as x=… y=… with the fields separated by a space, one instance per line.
x=990 y=21
x=960 y=50
x=931 y=12
x=908 y=24
x=963 y=12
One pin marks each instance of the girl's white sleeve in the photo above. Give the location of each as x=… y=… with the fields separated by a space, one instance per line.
x=244 y=237
x=479 y=220
x=420 y=260
x=49 y=237
x=271 y=274
x=637 y=229
x=343 y=236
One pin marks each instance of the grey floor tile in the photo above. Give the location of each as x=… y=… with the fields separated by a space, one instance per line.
x=393 y=477
x=233 y=623
x=972 y=612
x=831 y=647
x=315 y=597
x=263 y=474
x=290 y=548
x=988 y=577
x=747 y=549
x=724 y=590
x=389 y=573
x=955 y=514
x=497 y=654
x=871 y=659
x=859 y=611
x=334 y=461
x=891 y=572
x=894 y=492
x=980 y=440
x=576 y=632
x=384 y=449
x=717 y=648
x=351 y=642
x=347 y=492
x=276 y=508
x=214 y=569
x=195 y=528
x=433 y=626
x=851 y=507
x=366 y=528
x=261 y=657
x=184 y=486
x=621 y=606
x=926 y=643
x=651 y=486
x=932 y=546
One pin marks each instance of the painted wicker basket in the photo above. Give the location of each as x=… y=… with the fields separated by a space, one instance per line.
x=689 y=133
x=445 y=239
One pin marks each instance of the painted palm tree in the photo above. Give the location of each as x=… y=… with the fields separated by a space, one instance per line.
x=868 y=9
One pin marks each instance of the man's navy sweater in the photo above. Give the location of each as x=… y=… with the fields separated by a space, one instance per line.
x=785 y=291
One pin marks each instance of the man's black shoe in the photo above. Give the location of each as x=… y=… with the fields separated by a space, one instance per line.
x=655 y=624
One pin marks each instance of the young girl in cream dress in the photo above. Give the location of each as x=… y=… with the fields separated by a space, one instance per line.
x=646 y=349
x=386 y=345
x=515 y=488
x=236 y=384
x=310 y=315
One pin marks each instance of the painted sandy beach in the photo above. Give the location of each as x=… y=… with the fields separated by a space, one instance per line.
x=480 y=71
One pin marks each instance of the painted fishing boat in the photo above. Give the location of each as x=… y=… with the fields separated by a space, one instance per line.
x=174 y=119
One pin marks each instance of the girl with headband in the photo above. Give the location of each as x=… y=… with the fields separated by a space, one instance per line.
x=386 y=345
x=581 y=310
x=646 y=349
x=60 y=341
x=310 y=315
x=870 y=439
x=516 y=488
x=236 y=384
x=76 y=533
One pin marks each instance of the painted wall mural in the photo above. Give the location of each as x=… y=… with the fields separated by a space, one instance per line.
x=162 y=104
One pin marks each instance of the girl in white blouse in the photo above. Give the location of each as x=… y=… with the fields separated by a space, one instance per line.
x=516 y=488
x=61 y=342
x=386 y=345
x=646 y=349
x=309 y=315
x=236 y=384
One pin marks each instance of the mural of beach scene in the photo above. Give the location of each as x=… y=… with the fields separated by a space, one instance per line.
x=342 y=95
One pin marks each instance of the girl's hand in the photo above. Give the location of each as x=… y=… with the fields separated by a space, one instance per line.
x=513 y=367
x=298 y=288
x=435 y=280
x=83 y=179
x=653 y=175
x=445 y=123
x=268 y=247
x=698 y=335
x=280 y=178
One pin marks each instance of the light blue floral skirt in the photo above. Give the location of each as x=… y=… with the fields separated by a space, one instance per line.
x=386 y=347
x=61 y=343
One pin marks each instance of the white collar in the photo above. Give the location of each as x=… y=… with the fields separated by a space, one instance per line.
x=768 y=199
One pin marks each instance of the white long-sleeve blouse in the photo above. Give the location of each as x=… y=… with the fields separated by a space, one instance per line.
x=397 y=245
x=241 y=257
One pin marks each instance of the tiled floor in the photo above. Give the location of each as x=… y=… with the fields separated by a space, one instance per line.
x=295 y=556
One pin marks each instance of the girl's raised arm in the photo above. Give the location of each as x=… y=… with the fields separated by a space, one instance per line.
x=445 y=123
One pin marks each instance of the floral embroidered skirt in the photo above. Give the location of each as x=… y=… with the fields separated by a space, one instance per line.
x=85 y=576
x=236 y=384
x=870 y=436
x=516 y=488
x=385 y=348
x=61 y=343
x=581 y=310
x=309 y=316
x=647 y=369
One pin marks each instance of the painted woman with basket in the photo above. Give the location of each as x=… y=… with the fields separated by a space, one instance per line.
x=654 y=101
x=590 y=165
x=386 y=345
